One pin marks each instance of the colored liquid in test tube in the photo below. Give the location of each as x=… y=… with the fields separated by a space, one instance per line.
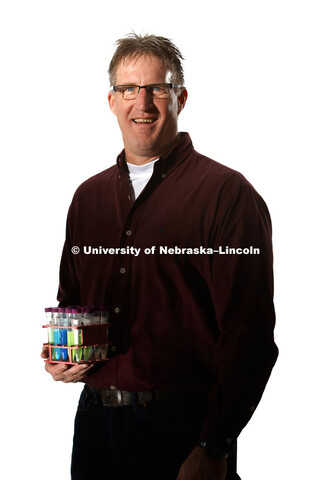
x=57 y=321
x=64 y=334
x=77 y=353
x=70 y=335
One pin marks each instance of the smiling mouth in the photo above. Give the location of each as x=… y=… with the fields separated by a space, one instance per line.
x=144 y=120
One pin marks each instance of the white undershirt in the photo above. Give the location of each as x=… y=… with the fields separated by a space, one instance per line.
x=140 y=175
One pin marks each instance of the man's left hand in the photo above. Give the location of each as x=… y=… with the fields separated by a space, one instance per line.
x=198 y=466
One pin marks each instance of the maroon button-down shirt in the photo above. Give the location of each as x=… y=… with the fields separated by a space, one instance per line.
x=188 y=278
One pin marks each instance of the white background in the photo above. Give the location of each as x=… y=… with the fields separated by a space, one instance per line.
x=247 y=76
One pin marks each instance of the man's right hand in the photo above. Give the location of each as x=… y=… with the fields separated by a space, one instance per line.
x=62 y=372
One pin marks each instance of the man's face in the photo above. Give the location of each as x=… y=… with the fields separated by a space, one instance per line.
x=146 y=141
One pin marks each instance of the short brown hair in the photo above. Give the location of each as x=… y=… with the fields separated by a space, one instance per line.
x=133 y=46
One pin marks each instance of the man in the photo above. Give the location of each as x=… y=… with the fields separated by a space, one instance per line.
x=190 y=290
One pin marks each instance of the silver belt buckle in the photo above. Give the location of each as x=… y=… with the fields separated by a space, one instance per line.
x=110 y=398
x=119 y=397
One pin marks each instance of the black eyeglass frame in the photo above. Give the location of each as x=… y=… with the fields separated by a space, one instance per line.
x=170 y=85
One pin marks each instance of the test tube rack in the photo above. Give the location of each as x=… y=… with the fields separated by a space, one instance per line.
x=91 y=336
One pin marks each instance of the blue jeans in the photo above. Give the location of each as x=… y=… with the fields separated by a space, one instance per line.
x=146 y=442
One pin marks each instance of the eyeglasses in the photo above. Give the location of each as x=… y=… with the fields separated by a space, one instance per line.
x=155 y=90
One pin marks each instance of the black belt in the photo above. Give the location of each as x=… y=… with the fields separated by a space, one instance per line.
x=120 y=398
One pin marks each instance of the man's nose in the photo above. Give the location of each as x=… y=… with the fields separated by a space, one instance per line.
x=143 y=99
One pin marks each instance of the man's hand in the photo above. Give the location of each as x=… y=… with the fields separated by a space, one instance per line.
x=63 y=372
x=198 y=466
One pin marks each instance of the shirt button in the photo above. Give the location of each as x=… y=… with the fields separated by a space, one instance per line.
x=117 y=310
x=113 y=387
x=122 y=270
x=128 y=233
x=163 y=175
x=113 y=349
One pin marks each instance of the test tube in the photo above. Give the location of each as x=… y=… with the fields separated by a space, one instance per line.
x=96 y=316
x=57 y=320
x=104 y=314
x=104 y=319
x=77 y=334
x=88 y=320
x=70 y=336
x=49 y=321
x=64 y=334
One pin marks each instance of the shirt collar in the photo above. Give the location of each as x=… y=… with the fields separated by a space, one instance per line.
x=176 y=154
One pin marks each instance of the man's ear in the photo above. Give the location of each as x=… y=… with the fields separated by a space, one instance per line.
x=111 y=100
x=182 y=98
